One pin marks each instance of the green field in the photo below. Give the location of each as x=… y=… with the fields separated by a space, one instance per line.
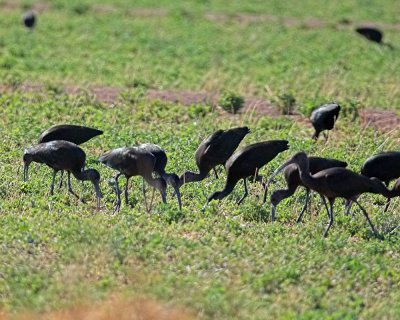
x=228 y=262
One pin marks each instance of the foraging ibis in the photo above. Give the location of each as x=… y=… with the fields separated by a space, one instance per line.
x=292 y=177
x=370 y=33
x=384 y=166
x=159 y=168
x=62 y=155
x=324 y=118
x=246 y=162
x=133 y=161
x=213 y=151
x=335 y=183
x=29 y=19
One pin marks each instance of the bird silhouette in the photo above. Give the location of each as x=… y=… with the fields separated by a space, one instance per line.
x=134 y=161
x=335 y=183
x=245 y=163
x=383 y=166
x=324 y=118
x=213 y=151
x=62 y=155
x=370 y=33
x=29 y=19
x=68 y=132
x=292 y=177
x=159 y=168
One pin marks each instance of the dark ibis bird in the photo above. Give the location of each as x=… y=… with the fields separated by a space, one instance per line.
x=29 y=19
x=384 y=166
x=246 y=162
x=292 y=177
x=134 y=161
x=213 y=151
x=63 y=155
x=159 y=168
x=371 y=33
x=69 y=132
x=324 y=118
x=335 y=183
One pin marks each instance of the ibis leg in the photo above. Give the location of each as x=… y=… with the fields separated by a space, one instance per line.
x=245 y=192
x=326 y=205
x=366 y=217
x=387 y=204
x=52 y=182
x=61 y=179
x=347 y=207
x=118 y=193
x=144 y=196
x=304 y=207
x=330 y=213
x=215 y=173
x=152 y=198
x=70 y=187
x=126 y=191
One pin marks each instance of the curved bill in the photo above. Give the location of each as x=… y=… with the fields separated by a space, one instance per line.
x=98 y=193
x=178 y=196
x=283 y=166
x=26 y=167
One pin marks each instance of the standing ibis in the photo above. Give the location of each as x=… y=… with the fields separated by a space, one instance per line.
x=292 y=177
x=159 y=168
x=29 y=19
x=384 y=166
x=371 y=33
x=213 y=151
x=324 y=118
x=68 y=132
x=62 y=155
x=335 y=183
x=133 y=161
x=246 y=162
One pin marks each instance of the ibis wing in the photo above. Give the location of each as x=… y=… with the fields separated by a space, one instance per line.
x=344 y=183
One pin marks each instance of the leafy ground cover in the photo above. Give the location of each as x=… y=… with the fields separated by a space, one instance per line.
x=228 y=262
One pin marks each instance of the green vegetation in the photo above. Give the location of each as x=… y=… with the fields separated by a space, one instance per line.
x=228 y=262
x=230 y=101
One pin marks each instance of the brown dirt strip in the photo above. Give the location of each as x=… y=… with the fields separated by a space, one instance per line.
x=383 y=120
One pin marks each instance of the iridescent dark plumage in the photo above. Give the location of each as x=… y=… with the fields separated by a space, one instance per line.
x=68 y=132
x=133 y=161
x=292 y=177
x=29 y=19
x=62 y=155
x=370 y=33
x=215 y=150
x=324 y=118
x=246 y=162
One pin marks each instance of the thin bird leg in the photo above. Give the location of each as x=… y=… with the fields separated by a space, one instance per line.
x=366 y=217
x=144 y=196
x=330 y=212
x=326 y=135
x=61 y=179
x=304 y=207
x=70 y=187
x=215 y=173
x=126 y=191
x=152 y=198
x=256 y=176
x=118 y=193
x=326 y=205
x=52 y=182
x=347 y=206
x=245 y=192
x=387 y=204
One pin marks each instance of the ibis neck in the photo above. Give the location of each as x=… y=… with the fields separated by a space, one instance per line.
x=305 y=176
x=226 y=190
x=81 y=175
x=189 y=176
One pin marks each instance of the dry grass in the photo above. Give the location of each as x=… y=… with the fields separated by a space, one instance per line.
x=115 y=307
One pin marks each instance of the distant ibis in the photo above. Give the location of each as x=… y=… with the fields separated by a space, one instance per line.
x=159 y=168
x=134 y=161
x=246 y=162
x=384 y=166
x=213 y=151
x=335 y=183
x=292 y=177
x=29 y=19
x=371 y=33
x=324 y=118
x=69 y=132
x=62 y=155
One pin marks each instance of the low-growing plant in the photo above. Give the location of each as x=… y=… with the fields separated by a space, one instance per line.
x=230 y=101
x=286 y=103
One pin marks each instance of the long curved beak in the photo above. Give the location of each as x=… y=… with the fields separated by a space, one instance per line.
x=98 y=193
x=283 y=166
x=178 y=196
x=26 y=167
